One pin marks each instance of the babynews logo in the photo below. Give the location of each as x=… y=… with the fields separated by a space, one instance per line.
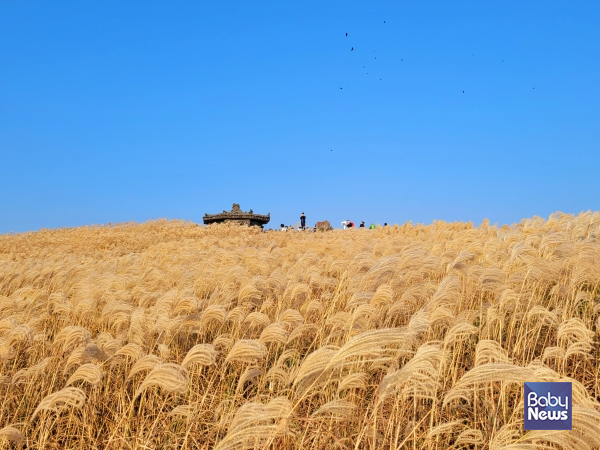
x=548 y=406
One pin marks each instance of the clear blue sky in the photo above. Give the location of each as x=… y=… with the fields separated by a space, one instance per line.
x=118 y=111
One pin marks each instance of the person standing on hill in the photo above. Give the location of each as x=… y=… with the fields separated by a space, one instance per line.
x=372 y=227
x=362 y=224
x=303 y=221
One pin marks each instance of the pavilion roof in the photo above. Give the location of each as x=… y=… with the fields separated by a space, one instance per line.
x=236 y=214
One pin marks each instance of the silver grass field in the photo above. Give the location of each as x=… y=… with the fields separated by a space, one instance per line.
x=169 y=335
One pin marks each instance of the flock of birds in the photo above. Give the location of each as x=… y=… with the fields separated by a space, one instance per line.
x=401 y=60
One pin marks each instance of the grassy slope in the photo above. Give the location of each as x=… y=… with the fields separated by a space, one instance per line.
x=168 y=334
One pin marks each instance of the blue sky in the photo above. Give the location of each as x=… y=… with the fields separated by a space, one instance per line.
x=119 y=111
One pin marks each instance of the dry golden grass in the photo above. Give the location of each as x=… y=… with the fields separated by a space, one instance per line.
x=170 y=335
